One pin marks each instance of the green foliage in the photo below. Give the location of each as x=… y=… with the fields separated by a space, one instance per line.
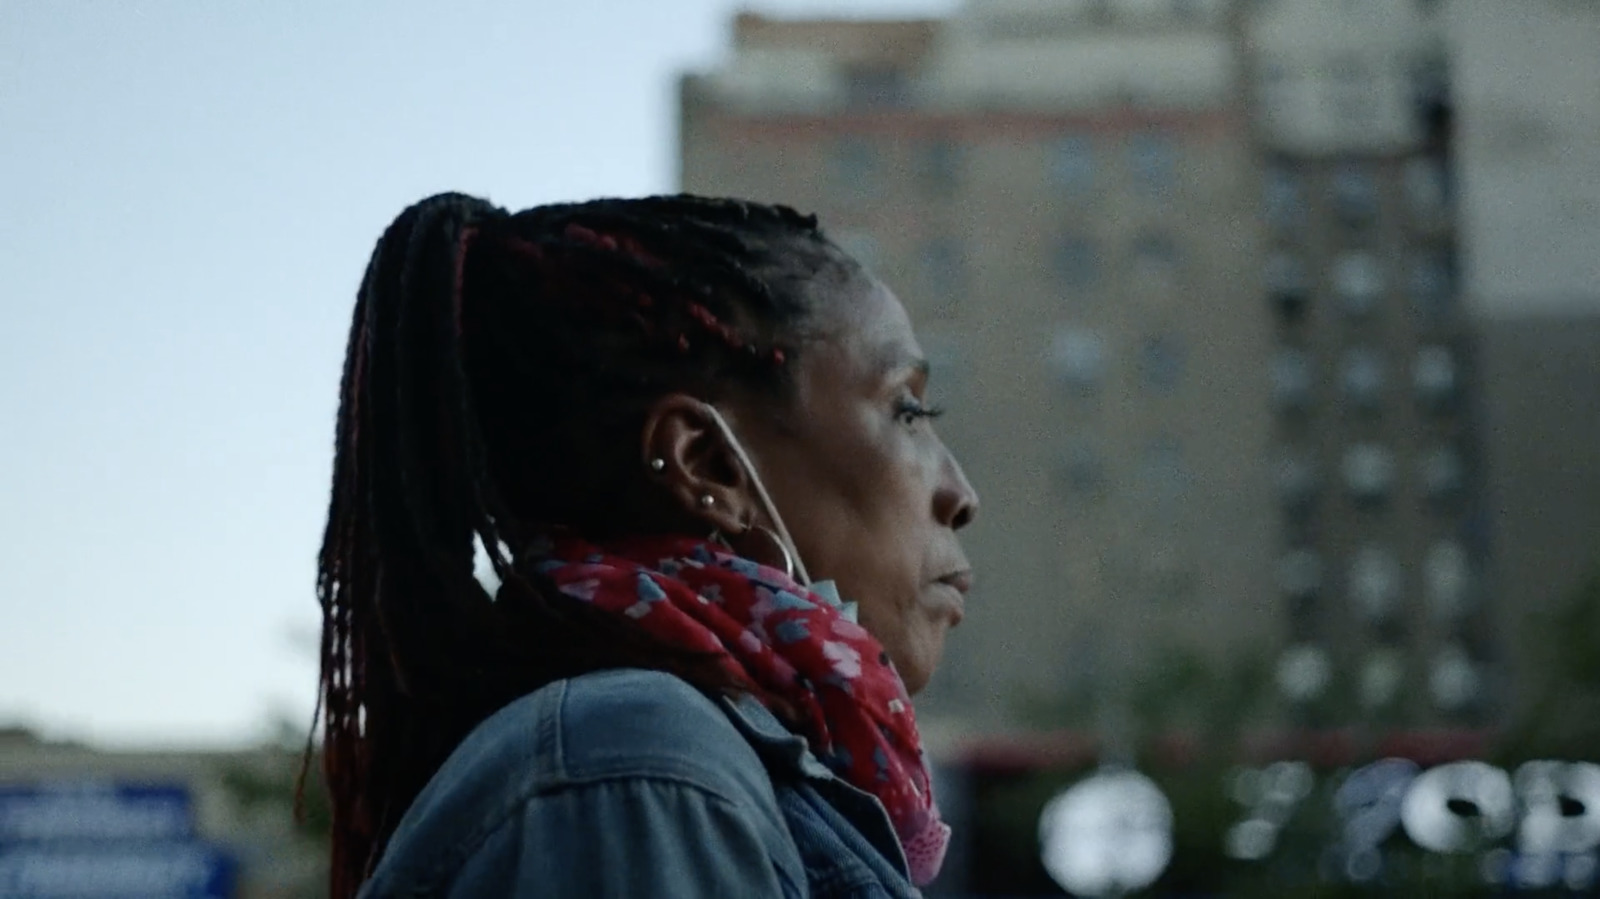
x=271 y=783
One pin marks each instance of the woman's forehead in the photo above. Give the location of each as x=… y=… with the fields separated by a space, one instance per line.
x=866 y=330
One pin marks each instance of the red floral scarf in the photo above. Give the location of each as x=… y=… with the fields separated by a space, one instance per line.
x=791 y=642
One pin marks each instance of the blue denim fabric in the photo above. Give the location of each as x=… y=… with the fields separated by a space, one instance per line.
x=632 y=784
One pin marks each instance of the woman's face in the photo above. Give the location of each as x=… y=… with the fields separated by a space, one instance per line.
x=868 y=491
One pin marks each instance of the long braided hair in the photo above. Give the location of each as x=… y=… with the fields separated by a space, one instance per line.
x=497 y=376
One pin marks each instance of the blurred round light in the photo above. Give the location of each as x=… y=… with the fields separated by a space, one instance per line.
x=1453 y=680
x=1288 y=782
x=1358 y=278
x=1251 y=840
x=1368 y=800
x=1459 y=807
x=1561 y=807
x=1304 y=672
x=1375 y=582
x=1368 y=470
x=1361 y=373
x=1107 y=835
x=1078 y=356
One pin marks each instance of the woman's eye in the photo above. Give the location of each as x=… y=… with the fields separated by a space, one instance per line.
x=910 y=410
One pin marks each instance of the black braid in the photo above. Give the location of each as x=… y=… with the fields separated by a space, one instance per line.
x=488 y=351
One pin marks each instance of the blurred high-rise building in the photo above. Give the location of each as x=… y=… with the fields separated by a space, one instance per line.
x=1383 y=538
x=1064 y=195
x=1271 y=329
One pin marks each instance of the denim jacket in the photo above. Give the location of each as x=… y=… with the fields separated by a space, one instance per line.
x=632 y=783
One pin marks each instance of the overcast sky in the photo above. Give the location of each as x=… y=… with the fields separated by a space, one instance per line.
x=188 y=194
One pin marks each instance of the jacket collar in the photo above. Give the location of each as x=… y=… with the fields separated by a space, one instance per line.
x=772 y=741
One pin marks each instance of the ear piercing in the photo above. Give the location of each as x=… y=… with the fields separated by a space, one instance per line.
x=658 y=465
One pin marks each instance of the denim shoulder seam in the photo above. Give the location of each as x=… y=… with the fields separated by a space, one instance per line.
x=467 y=848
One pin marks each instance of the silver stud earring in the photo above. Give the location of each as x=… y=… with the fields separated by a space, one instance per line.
x=707 y=500
x=658 y=465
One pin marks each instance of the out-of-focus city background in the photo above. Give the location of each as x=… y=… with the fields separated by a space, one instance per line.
x=1269 y=330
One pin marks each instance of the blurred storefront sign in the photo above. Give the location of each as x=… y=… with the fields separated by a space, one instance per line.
x=94 y=839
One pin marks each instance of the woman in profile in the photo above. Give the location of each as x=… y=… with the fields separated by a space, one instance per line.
x=640 y=541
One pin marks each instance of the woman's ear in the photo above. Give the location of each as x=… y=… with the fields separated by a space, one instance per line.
x=686 y=452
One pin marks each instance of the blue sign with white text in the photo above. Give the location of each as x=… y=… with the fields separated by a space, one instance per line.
x=187 y=870
x=99 y=840
x=94 y=811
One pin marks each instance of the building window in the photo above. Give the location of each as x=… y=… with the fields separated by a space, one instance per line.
x=1283 y=199
x=1432 y=283
x=1304 y=672
x=1448 y=577
x=1153 y=163
x=1078 y=357
x=1361 y=378
x=856 y=167
x=1427 y=187
x=1358 y=279
x=1291 y=380
x=1453 y=680
x=1374 y=583
x=1355 y=196
x=1155 y=257
x=877 y=87
x=1442 y=474
x=1297 y=481
x=1077 y=263
x=1369 y=472
x=1161 y=363
x=939 y=165
x=1287 y=283
x=1382 y=675
x=1073 y=168
x=1433 y=377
